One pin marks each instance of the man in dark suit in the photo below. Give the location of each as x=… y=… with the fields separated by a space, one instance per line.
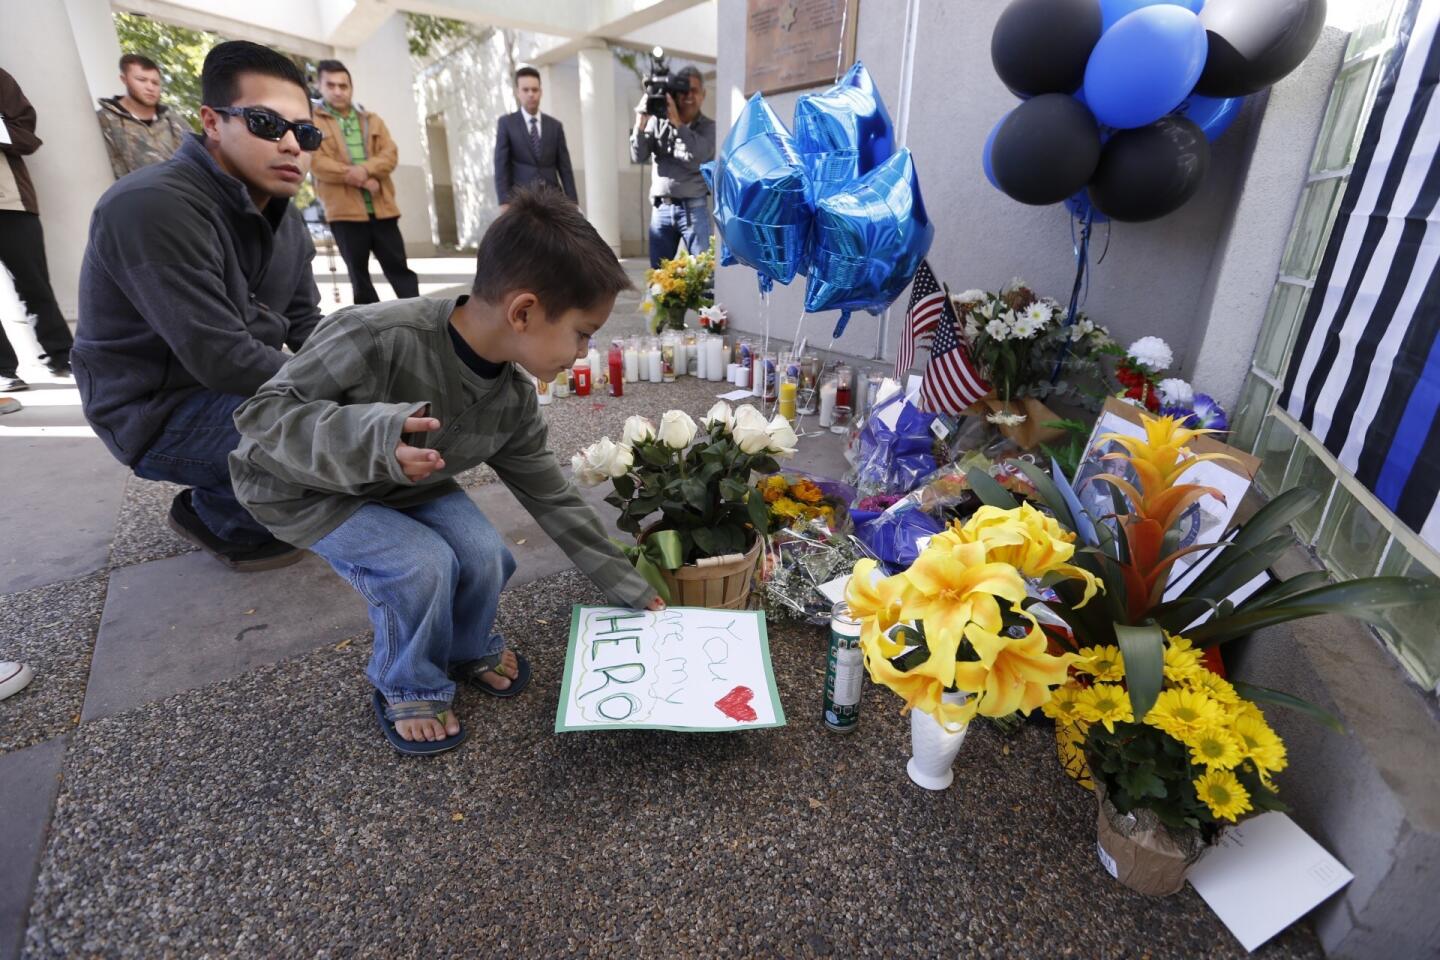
x=530 y=146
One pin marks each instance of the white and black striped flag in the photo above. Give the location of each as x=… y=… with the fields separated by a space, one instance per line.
x=951 y=382
x=926 y=303
x=1365 y=374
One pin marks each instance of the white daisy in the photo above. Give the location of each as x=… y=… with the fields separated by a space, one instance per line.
x=998 y=329
x=972 y=330
x=1039 y=314
x=1152 y=353
x=1024 y=327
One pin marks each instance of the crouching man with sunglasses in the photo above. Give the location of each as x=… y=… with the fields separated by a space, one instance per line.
x=196 y=275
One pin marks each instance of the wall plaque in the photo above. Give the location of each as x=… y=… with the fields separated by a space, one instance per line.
x=791 y=44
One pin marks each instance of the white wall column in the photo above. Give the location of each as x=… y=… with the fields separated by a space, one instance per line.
x=38 y=47
x=384 y=81
x=597 y=121
x=95 y=38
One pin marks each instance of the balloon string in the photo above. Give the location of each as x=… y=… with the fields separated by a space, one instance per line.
x=840 y=49
x=1082 y=257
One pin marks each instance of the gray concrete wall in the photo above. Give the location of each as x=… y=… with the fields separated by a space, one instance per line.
x=1153 y=280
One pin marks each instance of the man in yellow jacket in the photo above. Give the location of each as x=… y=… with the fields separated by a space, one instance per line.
x=352 y=178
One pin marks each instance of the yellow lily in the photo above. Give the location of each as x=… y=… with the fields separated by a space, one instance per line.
x=877 y=602
x=1029 y=540
x=954 y=584
x=1012 y=673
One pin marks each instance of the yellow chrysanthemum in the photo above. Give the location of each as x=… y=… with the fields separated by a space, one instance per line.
x=807 y=491
x=1012 y=673
x=1027 y=539
x=1215 y=685
x=1223 y=794
x=1102 y=662
x=1063 y=705
x=1260 y=745
x=1215 y=747
x=1182 y=713
x=1182 y=660
x=1106 y=703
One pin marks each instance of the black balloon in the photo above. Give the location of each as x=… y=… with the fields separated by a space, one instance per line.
x=1042 y=46
x=1254 y=43
x=1148 y=172
x=1046 y=149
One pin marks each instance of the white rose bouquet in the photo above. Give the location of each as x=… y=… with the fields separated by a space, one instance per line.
x=695 y=476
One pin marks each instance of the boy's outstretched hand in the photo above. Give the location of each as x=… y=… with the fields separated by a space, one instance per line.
x=417 y=463
x=655 y=604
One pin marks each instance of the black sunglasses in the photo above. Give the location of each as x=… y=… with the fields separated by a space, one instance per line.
x=271 y=126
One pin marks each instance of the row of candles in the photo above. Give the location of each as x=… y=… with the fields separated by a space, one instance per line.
x=798 y=385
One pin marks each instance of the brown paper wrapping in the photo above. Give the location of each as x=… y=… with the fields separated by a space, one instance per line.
x=1141 y=852
x=1028 y=434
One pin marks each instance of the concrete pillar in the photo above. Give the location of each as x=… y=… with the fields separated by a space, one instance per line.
x=39 y=48
x=385 y=83
x=597 y=122
x=95 y=38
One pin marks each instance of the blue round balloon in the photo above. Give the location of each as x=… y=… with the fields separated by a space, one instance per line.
x=843 y=132
x=868 y=241
x=763 y=201
x=986 y=159
x=1211 y=114
x=1145 y=65
x=1112 y=11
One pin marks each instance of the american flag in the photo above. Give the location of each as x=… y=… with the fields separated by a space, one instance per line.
x=951 y=383
x=926 y=304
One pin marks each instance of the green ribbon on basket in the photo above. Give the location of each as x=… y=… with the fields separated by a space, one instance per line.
x=661 y=549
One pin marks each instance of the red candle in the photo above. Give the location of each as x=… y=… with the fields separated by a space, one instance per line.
x=617 y=369
x=580 y=379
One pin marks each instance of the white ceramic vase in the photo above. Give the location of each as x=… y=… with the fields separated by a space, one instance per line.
x=933 y=748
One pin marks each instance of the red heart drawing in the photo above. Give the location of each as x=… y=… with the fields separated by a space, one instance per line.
x=736 y=704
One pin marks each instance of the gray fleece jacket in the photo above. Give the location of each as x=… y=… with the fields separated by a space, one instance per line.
x=318 y=440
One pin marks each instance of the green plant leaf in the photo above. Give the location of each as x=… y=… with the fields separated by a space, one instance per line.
x=759 y=511
x=1285 y=589
x=1281 y=699
x=655 y=454
x=1364 y=599
x=990 y=493
x=696 y=493
x=1144 y=652
x=708 y=541
x=1275 y=516
x=732 y=489
x=1049 y=493
x=1227 y=573
x=624 y=486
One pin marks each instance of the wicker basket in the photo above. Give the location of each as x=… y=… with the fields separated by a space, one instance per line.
x=719 y=582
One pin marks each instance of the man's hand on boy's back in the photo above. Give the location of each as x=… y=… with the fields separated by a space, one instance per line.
x=418 y=463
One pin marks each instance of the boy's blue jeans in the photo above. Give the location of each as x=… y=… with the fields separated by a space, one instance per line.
x=432 y=575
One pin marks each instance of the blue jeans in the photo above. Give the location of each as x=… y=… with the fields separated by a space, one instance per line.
x=432 y=575
x=669 y=224
x=194 y=449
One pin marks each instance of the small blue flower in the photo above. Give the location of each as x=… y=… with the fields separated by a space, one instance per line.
x=1185 y=415
x=1209 y=414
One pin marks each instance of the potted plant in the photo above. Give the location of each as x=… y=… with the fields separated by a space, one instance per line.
x=702 y=547
x=679 y=285
x=950 y=634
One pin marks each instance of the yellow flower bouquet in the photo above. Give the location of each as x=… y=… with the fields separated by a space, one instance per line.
x=954 y=621
x=682 y=283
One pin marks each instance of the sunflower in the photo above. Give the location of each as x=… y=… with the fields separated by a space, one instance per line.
x=1216 y=747
x=1223 y=794
x=1182 y=660
x=1102 y=662
x=1182 y=713
x=1106 y=703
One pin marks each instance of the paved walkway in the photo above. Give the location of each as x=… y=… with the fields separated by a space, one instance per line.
x=196 y=771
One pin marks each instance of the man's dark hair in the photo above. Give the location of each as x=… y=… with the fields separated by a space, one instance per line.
x=543 y=243
x=330 y=66
x=138 y=60
x=526 y=72
x=696 y=79
x=220 y=77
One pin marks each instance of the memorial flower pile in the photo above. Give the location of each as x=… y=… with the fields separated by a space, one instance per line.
x=954 y=621
x=796 y=502
x=684 y=282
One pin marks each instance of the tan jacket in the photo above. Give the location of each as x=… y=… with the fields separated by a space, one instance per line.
x=329 y=163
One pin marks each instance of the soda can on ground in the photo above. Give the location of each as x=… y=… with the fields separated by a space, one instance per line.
x=844 y=671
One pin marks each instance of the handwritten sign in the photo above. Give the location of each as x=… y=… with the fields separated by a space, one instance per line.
x=682 y=668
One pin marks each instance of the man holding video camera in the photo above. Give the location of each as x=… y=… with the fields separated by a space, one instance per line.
x=671 y=131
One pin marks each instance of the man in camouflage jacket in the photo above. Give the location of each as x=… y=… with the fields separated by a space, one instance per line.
x=139 y=130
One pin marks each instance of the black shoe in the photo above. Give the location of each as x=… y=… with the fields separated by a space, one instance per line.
x=9 y=383
x=58 y=369
x=241 y=557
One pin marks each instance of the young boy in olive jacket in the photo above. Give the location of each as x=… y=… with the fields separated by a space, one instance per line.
x=352 y=448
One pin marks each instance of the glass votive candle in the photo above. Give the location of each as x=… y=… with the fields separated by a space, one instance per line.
x=840 y=418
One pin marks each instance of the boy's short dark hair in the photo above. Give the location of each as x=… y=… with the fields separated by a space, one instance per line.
x=138 y=60
x=330 y=66
x=220 y=77
x=526 y=72
x=543 y=243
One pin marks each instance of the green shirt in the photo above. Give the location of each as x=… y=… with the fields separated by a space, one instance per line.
x=355 y=144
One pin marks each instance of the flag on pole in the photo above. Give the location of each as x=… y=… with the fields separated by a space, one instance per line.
x=927 y=302
x=951 y=382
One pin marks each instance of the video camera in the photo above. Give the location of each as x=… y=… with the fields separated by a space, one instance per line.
x=660 y=82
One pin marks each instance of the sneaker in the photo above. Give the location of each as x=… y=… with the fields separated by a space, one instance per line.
x=14 y=677
x=241 y=557
x=58 y=369
x=12 y=384
x=9 y=405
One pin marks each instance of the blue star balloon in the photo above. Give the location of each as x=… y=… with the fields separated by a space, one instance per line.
x=763 y=201
x=868 y=241
x=843 y=132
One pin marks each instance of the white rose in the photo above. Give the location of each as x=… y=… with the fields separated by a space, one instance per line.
x=637 y=430
x=656 y=289
x=677 y=429
x=1175 y=392
x=583 y=473
x=721 y=414
x=1152 y=353
x=782 y=437
x=749 y=430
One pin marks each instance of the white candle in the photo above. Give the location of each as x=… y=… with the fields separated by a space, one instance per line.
x=652 y=361
x=715 y=357
x=827 y=403
x=702 y=359
x=632 y=364
x=742 y=377
x=682 y=358
x=732 y=372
